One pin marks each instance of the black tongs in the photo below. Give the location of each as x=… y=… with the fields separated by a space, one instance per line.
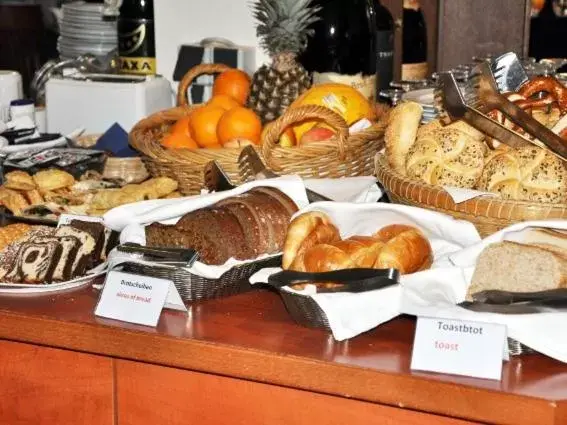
x=171 y=255
x=349 y=280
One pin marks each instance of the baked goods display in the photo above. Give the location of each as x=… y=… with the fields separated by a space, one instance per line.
x=51 y=192
x=537 y=262
x=313 y=244
x=44 y=255
x=455 y=154
x=243 y=227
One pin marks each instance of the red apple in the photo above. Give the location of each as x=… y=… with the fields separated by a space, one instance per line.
x=316 y=134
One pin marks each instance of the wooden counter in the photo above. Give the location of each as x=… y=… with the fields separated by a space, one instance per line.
x=242 y=360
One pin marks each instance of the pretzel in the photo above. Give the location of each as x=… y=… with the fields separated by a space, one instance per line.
x=556 y=92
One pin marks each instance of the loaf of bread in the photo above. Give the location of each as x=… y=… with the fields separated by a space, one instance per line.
x=403 y=123
x=446 y=156
x=242 y=227
x=511 y=266
x=313 y=244
x=526 y=174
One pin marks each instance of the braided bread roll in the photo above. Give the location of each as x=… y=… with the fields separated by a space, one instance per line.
x=446 y=156
x=401 y=247
x=526 y=174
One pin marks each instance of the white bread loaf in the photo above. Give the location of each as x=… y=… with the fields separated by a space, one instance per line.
x=510 y=266
x=400 y=135
x=446 y=156
x=526 y=174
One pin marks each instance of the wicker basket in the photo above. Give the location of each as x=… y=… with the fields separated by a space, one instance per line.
x=342 y=156
x=128 y=170
x=488 y=214
x=184 y=165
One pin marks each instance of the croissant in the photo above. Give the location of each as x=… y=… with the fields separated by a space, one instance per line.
x=401 y=247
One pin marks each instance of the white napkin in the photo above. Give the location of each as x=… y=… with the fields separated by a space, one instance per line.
x=458 y=194
x=348 y=189
x=352 y=314
x=435 y=292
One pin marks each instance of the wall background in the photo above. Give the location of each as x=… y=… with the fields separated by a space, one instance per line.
x=189 y=21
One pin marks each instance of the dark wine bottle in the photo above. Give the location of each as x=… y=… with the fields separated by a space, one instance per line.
x=414 y=44
x=384 y=46
x=136 y=38
x=342 y=48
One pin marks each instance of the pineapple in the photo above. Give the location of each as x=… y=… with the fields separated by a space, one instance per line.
x=283 y=29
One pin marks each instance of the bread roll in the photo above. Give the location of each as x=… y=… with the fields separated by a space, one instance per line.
x=511 y=266
x=446 y=156
x=526 y=174
x=306 y=231
x=400 y=135
x=467 y=129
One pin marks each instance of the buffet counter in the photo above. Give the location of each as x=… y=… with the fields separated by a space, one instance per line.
x=242 y=360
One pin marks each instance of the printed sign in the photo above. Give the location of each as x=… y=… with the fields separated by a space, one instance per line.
x=460 y=348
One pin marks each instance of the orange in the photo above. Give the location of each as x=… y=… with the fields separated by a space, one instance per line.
x=234 y=83
x=223 y=101
x=178 y=140
x=203 y=125
x=239 y=123
x=182 y=126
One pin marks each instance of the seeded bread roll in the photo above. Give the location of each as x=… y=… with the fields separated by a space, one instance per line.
x=446 y=157
x=526 y=174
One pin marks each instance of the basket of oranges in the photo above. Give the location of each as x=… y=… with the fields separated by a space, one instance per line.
x=180 y=141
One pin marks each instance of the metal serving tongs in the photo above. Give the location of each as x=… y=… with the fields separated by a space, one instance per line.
x=456 y=107
x=348 y=280
x=506 y=302
x=508 y=72
x=251 y=166
x=170 y=256
x=482 y=94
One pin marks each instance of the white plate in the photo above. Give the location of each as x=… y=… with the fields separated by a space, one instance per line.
x=424 y=96
x=19 y=288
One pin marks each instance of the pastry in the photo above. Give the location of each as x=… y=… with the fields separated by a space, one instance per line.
x=96 y=230
x=52 y=179
x=526 y=174
x=305 y=231
x=11 y=233
x=19 y=180
x=510 y=266
x=63 y=269
x=400 y=135
x=163 y=186
x=34 y=197
x=13 y=200
x=35 y=263
x=446 y=157
x=85 y=253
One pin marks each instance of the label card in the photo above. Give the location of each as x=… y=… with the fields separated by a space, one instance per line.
x=459 y=348
x=67 y=218
x=136 y=299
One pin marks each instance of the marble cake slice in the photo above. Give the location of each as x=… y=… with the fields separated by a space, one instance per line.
x=111 y=240
x=96 y=230
x=37 y=261
x=84 y=258
x=69 y=248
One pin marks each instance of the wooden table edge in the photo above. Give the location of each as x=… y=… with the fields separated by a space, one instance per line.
x=261 y=366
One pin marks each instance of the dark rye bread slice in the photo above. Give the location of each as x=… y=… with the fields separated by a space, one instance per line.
x=285 y=200
x=256 y=237
x=273 y=217
x=96 y=230
x=230 y=232
x=64 y=264
x=192 y=236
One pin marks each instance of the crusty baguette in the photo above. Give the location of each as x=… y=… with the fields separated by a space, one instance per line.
x=511 y=266
x=400 y=135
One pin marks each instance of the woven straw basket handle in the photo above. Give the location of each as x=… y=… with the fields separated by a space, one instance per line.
x=192 y=74
x=274 y=130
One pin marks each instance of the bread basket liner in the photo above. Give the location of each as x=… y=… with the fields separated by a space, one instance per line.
x=307 y=310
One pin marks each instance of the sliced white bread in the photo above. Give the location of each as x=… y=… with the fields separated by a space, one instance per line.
x=511 y=266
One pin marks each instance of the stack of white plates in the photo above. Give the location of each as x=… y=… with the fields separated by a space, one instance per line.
x=426 y=98
x=83 y=30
